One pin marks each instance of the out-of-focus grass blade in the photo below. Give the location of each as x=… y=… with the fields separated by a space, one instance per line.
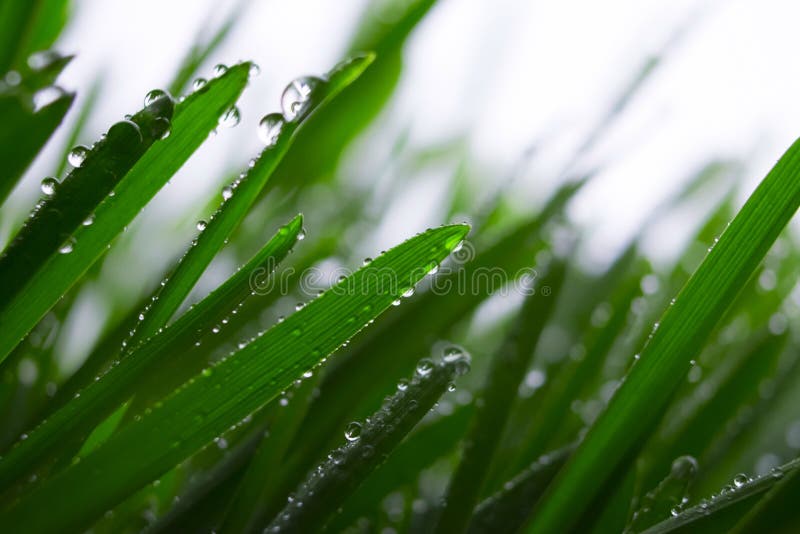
x=28 y=26
x=23 y=133
x=684 y=327
x=193 y=120
x=72 y=201
x=100 y=398
x=506 y=371
x=200 y=51
x=258 y=485
x=418 y=451
x=224 y=394
x=77 y=129
x=328 y=486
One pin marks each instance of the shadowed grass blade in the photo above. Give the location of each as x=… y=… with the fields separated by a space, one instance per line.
x=683 y=329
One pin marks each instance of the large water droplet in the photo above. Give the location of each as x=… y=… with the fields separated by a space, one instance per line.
x=201 y=225
x=154 y=95
x=199 y=83
x=353 y=431
x=740 y=480
x=77 y=155
x=219 y=70
x=230 y=118
x=269 y=127
x=424 y=367
x=684 y=467
x=296 y=97
x=49 y=186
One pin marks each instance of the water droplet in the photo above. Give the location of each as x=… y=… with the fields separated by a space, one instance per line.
x=201 y=225
x=684 y=467
x=269 y=127
x=353 y=431
x=740 y=480
x=46 y=96
x=424 y=367
x=396 y=302
x=227 y=192
x=207 y=372
x=296 y=97
x=254 y=71
x=199 y=83
x=154 y=95
x=408 y=292
x=299 y=306
x=301 y=234
x=308 y=374
x=88 y=220
x=230 y=118
x=219 y=70
x=49 y=186
x=367 y=261
x=402 y=384
x=281 y=318
x=77 y=155
x=67 y=246
x=452 y=354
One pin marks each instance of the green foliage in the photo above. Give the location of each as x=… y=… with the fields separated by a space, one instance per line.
x=645 y=398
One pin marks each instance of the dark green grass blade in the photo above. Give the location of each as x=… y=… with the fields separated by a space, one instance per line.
x=28 y=26
x=224 y=394
x=193 y=120
x=508 y=509
x=328 y=486
x=776 y=511
x=100 y=398
x=419 y=450
x=56 y=218
x=78 y=127
x=506 y=371
x=682 y=332
x=23 y=133
x=723 y=510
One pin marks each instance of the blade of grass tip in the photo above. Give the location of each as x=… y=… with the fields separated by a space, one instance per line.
x=200 y=52
x=100 y=398
x=256 y=488
x=730 y=504
x=506 y=371
x=419 y=450
x=67 y=205
x=23 y=133
x=224 y=394
x=241 y=196
x=27 y=27
x=328 y=486
x=684 y=327
x=509 y=508
x=192 y=121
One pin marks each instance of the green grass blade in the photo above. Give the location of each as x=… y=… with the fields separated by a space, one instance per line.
x=210 y=403
x=100 y=398
x=327 y=486
x=79 y=126
x=56 y=217
x=193 y=120
x=683 y=330
x=28 y=26
x=506 y=371
x=776 y=511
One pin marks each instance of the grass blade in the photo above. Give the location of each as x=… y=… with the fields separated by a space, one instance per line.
x=327 y=486
x=193 y=120
x=223 y=395
x=683 y=330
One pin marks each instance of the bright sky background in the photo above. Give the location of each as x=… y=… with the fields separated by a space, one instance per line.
x=509 y=72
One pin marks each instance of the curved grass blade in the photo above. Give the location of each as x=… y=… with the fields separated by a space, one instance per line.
x=220 y=396
x=508 y=509
x=730 y=504
x=193 y=120
x=91 y=405
x=56 y=217
x=683 y=329
x=327 y=486
x=506 y=371
x=418 y=451
x=27 y=27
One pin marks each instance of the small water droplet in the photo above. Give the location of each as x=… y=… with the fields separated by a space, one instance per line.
x=740 y=480
x=424 y=367
x=402 y=384
x=230 y=118
x=301 y=234
x=49 y=186
x=254 y=71
x=219 y=70
x=227 y=192
x=199 y=83
x=367 y=261
x=299 y=306
x=67 y=246
x=353 y=431
x=396 y=302
x=77 y=155
x=408 y=292
x=88 y=220
x=201 y=225
x=297 y=95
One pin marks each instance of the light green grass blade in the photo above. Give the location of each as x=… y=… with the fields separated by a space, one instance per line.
x=221 y=396
x=193 y=120
x=100 y=398
x=682 y=332
x=28 y=26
